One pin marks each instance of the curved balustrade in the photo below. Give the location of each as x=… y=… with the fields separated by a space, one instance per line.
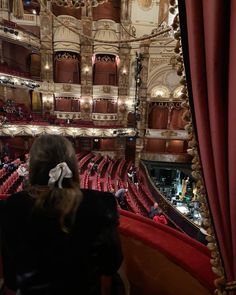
x=17 y=34
x=161 y=260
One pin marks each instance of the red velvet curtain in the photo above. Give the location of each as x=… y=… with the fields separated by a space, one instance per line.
x=158 y=118
x=175 y=147
x=105 y=73
x=209 y=26
x=100 y=106
x=176 y=121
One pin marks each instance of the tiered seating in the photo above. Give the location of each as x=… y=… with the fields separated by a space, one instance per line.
x=135 y=196
x=101 y=166
x=8 y=183
x=10 y=179
x=13 y=70
x=110 y=176
x=80 y=155
x=120 y=167
x=3 y=173
x=84 y=162
x=84 y=181
x=145 y=202
x=114 y=169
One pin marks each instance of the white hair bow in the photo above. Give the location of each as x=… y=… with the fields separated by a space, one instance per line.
x=58 y=173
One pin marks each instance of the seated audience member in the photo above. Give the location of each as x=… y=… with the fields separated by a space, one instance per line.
x=30 y=118
x=154 y=210
x=160 y=218
x=130 y=173
x=56 y=238
x=23 y=171
x=120 y=196
x=11 y=167
x=95 y=167
x=90 y=166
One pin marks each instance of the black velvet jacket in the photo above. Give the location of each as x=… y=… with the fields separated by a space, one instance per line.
x=40 y=259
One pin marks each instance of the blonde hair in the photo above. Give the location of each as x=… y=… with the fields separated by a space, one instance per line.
x=47 y=152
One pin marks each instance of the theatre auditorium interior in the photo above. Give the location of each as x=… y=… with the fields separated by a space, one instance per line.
x=144 y=90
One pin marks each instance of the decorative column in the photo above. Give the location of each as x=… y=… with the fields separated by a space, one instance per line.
x=120 y=147
x=4 y=9
x=123 y=85
x=142 y=107
x=46 y=34
x=163 y=11
x=1 y=52
x=125 y=15
x=86 y=64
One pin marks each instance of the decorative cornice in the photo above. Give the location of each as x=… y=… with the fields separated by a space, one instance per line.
x=166 y=134
x=19 y=36
x=67 y=115
x=104 y=117
x=180 y=158
x=34 y=130
x=16 y=81
x=105 y=91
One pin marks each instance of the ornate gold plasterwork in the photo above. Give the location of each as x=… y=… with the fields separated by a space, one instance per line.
x=168 y=133
x=65 y=55
x=66 y=87
x=106 y=89
x=157 y=61
x=91 y=38
x=35 y=130
x=78 y=4
x=145 y=4
x=21 y=37
x=105 y=58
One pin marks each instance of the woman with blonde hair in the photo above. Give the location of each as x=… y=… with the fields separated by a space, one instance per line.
x=56 y=238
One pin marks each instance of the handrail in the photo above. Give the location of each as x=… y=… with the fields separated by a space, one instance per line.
x=178 y=247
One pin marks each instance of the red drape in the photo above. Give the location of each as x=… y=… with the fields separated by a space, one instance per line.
x=176 y=121
x=158 y=118
x=211 y=33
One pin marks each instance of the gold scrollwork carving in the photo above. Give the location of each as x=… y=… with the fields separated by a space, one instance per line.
x=168 y=133
x=66 y=87
x=65 y=55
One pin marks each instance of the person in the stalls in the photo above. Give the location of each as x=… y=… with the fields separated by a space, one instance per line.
x=154 y=210
x=160 y=218
x=56 y=238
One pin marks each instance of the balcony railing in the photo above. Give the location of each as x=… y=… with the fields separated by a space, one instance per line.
x=9 y=30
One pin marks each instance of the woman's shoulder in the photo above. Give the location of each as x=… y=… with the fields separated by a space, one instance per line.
x=99 y=204
x=15 y=208
x=16 y=201
x=18 y=197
